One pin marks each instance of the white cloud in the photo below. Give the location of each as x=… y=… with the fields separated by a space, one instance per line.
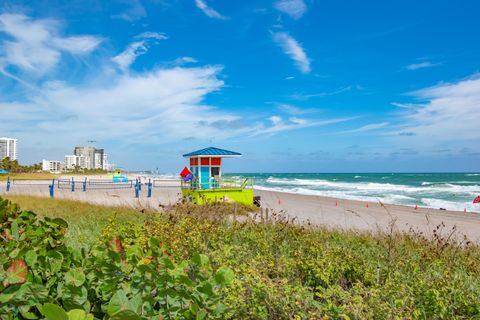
x=209 y=12
x=134 y=11
x=279 y=125
x=293 y=110
x=152 y=35
x=421 y=65
x=294 y=50
x=77 y=44
x=368 y=127
x=36 y=46
x=306 y=96
x=136 y=48
x=184 y=60
x=155 y=107
x=450 y=113
x=294 y=8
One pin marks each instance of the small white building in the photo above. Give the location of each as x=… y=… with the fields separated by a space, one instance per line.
x=52 y=166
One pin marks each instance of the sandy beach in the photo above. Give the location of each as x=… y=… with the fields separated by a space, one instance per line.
x=317 y=210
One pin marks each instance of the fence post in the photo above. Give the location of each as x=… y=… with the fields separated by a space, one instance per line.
x=137 y=189
x=8 y=184
x=85 y=184
x=52 y=188
x=73 y=185
x=149 y=188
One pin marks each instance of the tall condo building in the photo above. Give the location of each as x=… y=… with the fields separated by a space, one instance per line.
x=89 y=157
x=8 y=148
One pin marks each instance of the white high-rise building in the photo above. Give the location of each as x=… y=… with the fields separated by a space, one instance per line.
x=8 y=148
x=70 y=161
x=51 y=166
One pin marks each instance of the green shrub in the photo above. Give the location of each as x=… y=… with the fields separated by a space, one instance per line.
x=41 y=277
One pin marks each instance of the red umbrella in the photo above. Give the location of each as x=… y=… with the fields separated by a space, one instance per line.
x=476 y=200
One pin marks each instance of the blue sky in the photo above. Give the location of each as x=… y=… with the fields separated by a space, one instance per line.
x=295 y=85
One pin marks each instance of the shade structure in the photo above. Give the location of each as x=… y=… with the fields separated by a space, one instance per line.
x=212 y=152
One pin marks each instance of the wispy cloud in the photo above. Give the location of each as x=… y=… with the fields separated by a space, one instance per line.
x=294 y=50
x=36 y=45
x=306 y=96
x=209 y=12
x=279 y=125
x=294 y=110
x=134 y=11
x=368 y=127
x=450 y=113
x=421 y=65
x=185 y=60
x=137 y=48
x=294 y=8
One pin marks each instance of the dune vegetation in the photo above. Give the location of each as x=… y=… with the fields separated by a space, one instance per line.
x=219 y=262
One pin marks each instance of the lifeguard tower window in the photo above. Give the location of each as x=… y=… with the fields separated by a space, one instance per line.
x=215 y=172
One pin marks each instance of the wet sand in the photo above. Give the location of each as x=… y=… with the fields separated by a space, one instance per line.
x=329 y=212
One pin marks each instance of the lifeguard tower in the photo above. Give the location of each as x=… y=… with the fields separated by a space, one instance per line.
x=206 y=183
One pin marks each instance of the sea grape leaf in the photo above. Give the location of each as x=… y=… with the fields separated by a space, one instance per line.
x=200 y=260
x=53 y=312
x=30 y=258
x=16 y=273
x=26 y=313
x=119 y=302
x=75 y=277
x=126 y=315
x=201 y=314
x=224 y=275
x=14 y=229
x=60 y=222
x=78 y=314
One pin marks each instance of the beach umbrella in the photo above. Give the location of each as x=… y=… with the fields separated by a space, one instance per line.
x=476 y=200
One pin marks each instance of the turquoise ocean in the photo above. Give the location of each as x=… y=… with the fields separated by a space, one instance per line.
x=452 y=191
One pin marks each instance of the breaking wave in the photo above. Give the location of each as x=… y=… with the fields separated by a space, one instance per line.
x=450 y=194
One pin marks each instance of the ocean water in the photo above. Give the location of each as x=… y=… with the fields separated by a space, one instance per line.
x=452 y=191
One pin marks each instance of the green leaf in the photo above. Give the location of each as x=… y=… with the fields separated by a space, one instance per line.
x=30 y=258
x=75 y=277
x=224 y=275
x=14 y=229
x=119 y=302
x=200 y=260
x=60 y=222
x=77 y=314
x=16 y=273
x=201 y=314
x=53 y=312
x=125 y=315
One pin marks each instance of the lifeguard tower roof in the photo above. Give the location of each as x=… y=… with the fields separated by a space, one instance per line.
x=212 y=152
